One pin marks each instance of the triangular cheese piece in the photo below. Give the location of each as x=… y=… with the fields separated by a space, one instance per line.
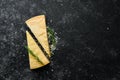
x=38 y=27
x=37 y=51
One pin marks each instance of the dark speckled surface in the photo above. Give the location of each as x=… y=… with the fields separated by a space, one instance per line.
x=89 y=44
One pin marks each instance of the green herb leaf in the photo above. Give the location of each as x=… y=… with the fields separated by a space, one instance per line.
x=51 y=36
x=32 y=53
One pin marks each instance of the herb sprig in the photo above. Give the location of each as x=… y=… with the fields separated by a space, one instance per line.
x=52 y=38
x=32 y=53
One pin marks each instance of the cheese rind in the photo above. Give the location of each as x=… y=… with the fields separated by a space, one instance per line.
x=38 y=27
x=37 y=51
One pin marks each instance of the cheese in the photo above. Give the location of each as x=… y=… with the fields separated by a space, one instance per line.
x=38 y=27
x=37 y=51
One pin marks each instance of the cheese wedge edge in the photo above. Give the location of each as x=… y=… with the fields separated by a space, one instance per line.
x=37 y=51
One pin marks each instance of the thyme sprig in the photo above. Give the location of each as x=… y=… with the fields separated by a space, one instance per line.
x=51 y=36
x=32 y=53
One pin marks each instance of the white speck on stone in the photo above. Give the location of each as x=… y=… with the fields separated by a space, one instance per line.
x=108 y=28
x=61 y=4
x=51 y=20
x=52 y=70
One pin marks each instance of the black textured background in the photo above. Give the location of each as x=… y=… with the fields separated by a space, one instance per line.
x=89 y=44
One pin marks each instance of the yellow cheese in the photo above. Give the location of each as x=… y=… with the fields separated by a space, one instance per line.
x=37 y=51
x=38 y=27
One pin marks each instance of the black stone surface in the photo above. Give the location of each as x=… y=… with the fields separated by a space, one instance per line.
x=89 y=44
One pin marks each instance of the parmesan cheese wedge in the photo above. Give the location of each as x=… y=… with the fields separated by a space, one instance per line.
x=37 y=25
x=37 y=51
